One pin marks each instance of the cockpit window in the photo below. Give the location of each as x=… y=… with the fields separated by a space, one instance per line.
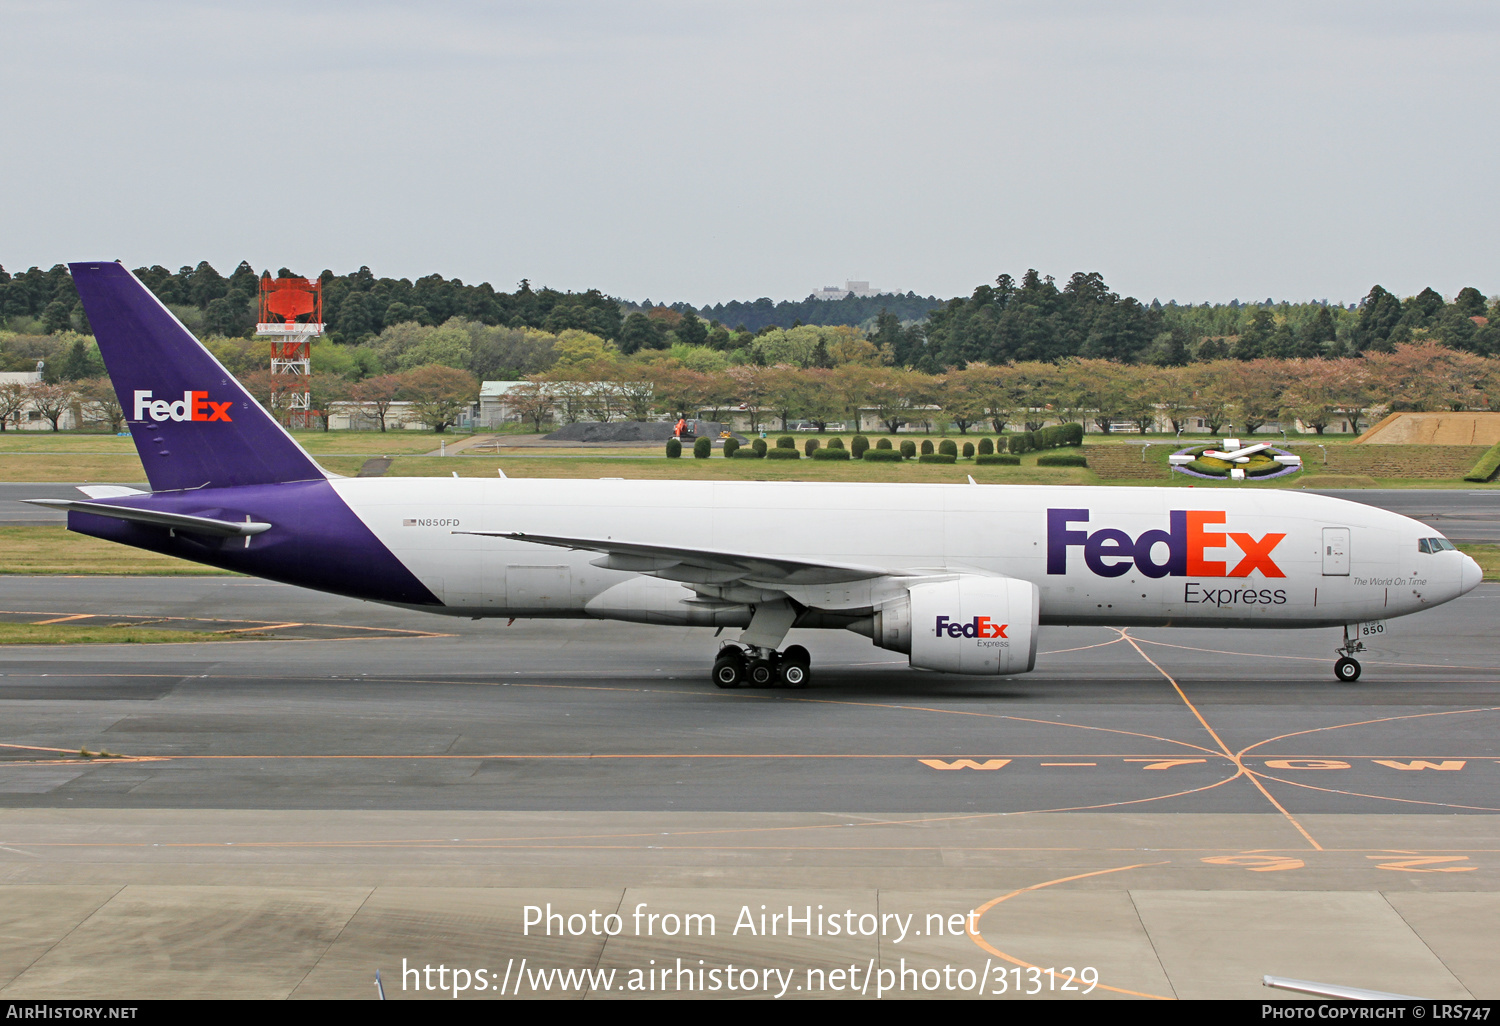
x=1434 y=544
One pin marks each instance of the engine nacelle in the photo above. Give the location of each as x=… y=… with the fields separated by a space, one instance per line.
x=971 y=624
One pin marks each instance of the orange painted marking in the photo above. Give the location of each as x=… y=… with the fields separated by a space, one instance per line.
x=956 y=764
x=1366 y=723
x=1306 y=764
x=1415 y=865
x=262 y=627
x=1165 y=763
x=63 y=619
x=1451 y=765
x=1257 y=863
x=979 y=912
x=1252 y=777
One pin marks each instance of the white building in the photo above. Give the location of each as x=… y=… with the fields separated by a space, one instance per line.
x=851 y=288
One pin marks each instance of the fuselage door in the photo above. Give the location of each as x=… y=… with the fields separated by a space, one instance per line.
x=1335 y=552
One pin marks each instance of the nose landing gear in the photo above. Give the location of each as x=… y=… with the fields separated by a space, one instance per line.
x=762 y=667
x=1346 y=669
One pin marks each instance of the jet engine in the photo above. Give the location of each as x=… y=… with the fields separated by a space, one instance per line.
x=966 y=624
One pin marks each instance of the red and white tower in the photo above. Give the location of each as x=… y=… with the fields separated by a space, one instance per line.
x=284 y=303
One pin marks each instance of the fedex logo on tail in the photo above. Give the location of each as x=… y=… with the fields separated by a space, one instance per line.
x=1186 y=547
x=192 y=406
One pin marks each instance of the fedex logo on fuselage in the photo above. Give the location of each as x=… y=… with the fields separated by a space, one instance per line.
x=979 y=627
x=192 y=406
x=1188 y=544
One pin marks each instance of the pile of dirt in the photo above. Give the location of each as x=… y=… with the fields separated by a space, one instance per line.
x=1435 y=429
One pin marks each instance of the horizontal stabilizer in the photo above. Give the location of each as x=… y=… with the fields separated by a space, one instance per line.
x=108 y=491
x=177 y=521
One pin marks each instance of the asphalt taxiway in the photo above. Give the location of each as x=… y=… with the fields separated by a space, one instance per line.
x=1184 y=810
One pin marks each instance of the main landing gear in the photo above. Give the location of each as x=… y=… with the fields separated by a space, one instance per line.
x=757 y=667
x=1346 y=670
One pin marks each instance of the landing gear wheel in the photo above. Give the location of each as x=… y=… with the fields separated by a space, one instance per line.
x=1346 y=670
x=761 y=674
x=729 y=671
x=792 y=674
x=792 y=669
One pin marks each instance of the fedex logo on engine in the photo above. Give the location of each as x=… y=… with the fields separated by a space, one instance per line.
x=192 y=406
x=1186 y=546
x=979 y=627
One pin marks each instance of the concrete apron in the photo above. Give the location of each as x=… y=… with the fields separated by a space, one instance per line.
x=228 y=904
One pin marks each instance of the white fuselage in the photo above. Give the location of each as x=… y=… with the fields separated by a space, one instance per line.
x=1211 y=556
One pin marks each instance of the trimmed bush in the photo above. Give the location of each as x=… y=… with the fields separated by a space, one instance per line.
x=997 y=459
x=1019 y=443
x=759 y=445
x=674 y=449
x=786 y=442
x=1258 y=468
x=858 y=446
x=730 y=446
x=811 y=446
x=703 y=448
x=1072 y=434
x=831 y=453
x=986 y=447
x=1486 y=467
x=780 y=453
x=835 y=442
x=1061 y=459
x=882 y=456
x=884 y=443
x=937 y=457
x=927 y=449
x=968 y=450
x=751 y=453
x=908 y=449
x=948 y=447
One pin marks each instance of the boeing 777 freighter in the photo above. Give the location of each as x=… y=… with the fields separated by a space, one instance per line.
x=958 y=576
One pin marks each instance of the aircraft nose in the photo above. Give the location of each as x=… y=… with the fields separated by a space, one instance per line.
x=1472 y=575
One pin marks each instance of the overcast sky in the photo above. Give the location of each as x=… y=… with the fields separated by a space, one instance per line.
x=714 y=151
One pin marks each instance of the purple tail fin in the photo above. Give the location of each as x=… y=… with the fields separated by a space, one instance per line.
x=193 y=423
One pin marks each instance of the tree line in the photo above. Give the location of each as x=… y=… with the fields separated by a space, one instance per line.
x=591 y=379
x=1244 y=395
x=1030 y=319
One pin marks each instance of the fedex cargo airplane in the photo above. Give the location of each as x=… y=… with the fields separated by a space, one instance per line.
x=958 y=576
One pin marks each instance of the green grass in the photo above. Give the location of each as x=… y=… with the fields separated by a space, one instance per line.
x=1487 y=556
x=375 y=443
x=66 y=634
x=85 y=457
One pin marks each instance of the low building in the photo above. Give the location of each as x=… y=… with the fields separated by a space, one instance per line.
x=30 y=418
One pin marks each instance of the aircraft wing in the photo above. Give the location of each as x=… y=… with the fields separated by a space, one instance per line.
x=706 y=566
